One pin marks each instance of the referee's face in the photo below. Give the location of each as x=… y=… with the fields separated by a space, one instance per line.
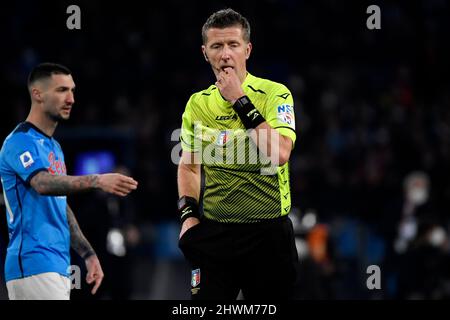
x=227 y=48
x=58 y=97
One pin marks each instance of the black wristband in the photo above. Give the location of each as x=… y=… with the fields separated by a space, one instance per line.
x=187 y=208
x=249 y=115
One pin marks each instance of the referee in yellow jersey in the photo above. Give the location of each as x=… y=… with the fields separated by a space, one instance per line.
x=236 y=233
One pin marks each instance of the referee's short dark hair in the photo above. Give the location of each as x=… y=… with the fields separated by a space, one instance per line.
x=46 y=70
x=226 y=18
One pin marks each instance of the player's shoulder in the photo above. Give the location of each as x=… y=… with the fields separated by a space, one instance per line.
x=201 y=97
x=203 y=94
x=15 y=139
x=266 y=86
x=20 y=134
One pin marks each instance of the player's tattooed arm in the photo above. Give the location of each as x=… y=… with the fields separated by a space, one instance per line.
x=47 y=184
x=50 y=185
x=78 y=241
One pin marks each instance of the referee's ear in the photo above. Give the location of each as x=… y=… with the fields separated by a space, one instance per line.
x=204 y=53
x=248 y=50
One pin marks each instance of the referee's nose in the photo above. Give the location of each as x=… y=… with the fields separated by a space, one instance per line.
x=226 y=53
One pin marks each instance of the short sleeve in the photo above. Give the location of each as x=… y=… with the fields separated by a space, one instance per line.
x=279 y=112
x=23 y=156
x=187 y=129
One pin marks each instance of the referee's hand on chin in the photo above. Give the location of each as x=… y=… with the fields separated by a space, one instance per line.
x=189 y=223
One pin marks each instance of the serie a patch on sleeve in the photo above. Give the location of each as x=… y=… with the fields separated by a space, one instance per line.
x=285 y=114
x=26 y=159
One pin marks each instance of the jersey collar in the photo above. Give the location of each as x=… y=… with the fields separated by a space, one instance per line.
x=29 y=124
x=249 y=78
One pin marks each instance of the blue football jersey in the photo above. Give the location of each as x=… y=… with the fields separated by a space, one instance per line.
x=39 y=235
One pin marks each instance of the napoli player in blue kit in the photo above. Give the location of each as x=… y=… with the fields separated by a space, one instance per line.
x=41 y=225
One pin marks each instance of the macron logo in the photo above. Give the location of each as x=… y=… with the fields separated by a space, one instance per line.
x=26 y=159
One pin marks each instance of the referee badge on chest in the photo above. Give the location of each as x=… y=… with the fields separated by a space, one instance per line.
x=195 y=280
x=222 y=138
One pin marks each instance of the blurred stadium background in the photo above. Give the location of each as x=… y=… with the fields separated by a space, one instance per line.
x=370 y=170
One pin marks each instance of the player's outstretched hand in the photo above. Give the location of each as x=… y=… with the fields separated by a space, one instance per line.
x=116 y=183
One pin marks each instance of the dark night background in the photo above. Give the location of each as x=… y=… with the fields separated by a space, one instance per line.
x=372 y=107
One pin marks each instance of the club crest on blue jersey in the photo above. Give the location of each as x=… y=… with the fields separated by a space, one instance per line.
x=195 y=280
x=56 y=166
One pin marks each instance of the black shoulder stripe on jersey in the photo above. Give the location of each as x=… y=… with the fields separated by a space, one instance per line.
x=286 y=128
x=256 y=90
x=284 y=95
x=26 y=126
x=208 y=94
x=23 y=127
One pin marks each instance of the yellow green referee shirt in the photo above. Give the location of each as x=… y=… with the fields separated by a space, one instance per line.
x=241 y=185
